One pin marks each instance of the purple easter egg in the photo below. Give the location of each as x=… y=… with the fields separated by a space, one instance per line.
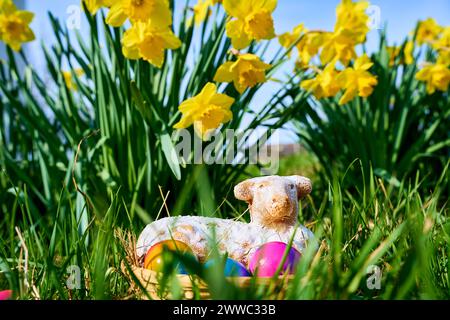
x=267 y=258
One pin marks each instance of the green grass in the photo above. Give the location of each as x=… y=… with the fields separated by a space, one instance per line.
x=403 y=232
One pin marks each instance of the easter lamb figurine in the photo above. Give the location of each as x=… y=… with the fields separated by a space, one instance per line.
x=273 y=204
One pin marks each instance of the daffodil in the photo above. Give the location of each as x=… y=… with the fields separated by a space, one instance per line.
x=409 y=52
x=94 y=5
x=148 y=40
x=14 y=25
x=206 y=111
x=247 y=71
x=352 y=17
x=406 y=54
x=139 y=10
x=444 y=57
x=442 y=45
x=309 y=46
x=428 y=31
x=357 y=80
x=436 y=76
x=338 y=46
x=68 y=79
x=350 y=29
x=7 y=6
x=324 y=85
x=393 y=53
x=202 y=11
x=443 y=42
x=253 y=21
x=287 y=39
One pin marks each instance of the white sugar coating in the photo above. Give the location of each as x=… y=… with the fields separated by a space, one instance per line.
x=238 y=239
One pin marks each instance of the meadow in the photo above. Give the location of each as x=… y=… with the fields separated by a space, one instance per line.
x=87 y=149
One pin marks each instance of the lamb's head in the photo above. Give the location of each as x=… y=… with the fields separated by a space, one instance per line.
x=273 y=200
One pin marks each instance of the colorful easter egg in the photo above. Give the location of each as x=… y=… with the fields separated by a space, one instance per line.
x=267 y=259
x=154 y=259
x=6 y=295
x=232 y=268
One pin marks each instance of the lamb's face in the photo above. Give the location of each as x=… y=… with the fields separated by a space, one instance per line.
x=273 y=200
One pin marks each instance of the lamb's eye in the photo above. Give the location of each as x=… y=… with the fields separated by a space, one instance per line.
x=261 y=186
x=291 y=186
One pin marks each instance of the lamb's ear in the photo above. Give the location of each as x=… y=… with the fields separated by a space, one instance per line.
x=243 y=191
x=303 y=185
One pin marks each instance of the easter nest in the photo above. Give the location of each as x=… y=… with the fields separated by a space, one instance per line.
x=147 y=284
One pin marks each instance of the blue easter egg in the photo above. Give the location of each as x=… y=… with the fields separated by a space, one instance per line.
x=180 y=269
x=232 y=268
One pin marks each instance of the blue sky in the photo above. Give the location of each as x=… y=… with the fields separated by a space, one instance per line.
x=399 y=15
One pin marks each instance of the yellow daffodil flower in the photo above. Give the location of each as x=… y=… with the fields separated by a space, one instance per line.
x=338 y=46
x=247 y=71
x=442 y=45
x=202 y=11
x=148 y=40
x=350 y=30
x=253 y=21
x=94 y=5
x=443 y=42
x=357 y=80
x=393 y=53
x=206 y=111
x=7 y=6
x=352 y=17
x=444 y=57
x=70 y=83
x=309 y=46
x=300 y=65
x=436 y=76
x=324 y=85
x=407 y=54
x=428 y=31
x=14 y=25
x=139 y=10
x=287 y=39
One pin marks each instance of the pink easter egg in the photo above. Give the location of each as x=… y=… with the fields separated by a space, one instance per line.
x=267 y=258
x=6 y=294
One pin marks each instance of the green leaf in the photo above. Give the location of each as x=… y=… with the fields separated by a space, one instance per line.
x=170 y=154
